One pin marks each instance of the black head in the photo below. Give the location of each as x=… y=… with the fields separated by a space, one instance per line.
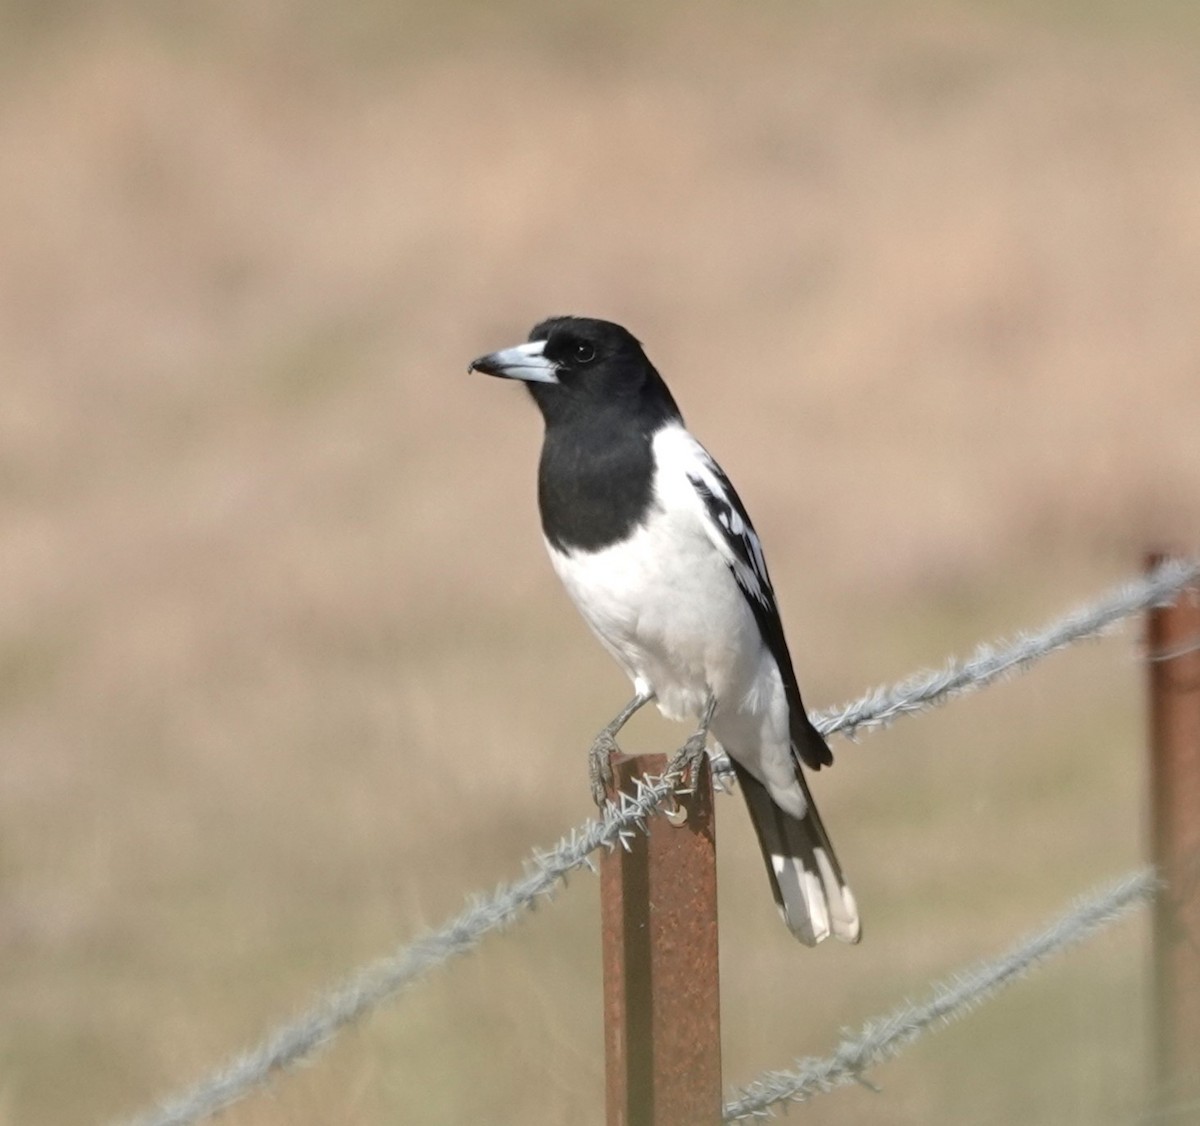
x=576 y=366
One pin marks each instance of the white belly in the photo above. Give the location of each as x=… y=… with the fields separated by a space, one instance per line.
x=675 y=620
x=680 y=627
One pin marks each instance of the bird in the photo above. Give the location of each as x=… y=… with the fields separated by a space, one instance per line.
x=657 y=551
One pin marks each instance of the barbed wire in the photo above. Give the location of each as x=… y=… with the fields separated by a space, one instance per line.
x=994 y=661
x=545 y=870
x=296 y=1042
x=883 y=1038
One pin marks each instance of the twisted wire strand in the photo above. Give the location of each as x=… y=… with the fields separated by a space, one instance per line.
x=885 y=1037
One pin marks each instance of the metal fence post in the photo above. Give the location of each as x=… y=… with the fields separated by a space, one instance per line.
x=662 y=1024
x=1173 y=659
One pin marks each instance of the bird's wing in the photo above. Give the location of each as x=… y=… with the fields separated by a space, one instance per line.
x=728 y=526
x=732 y=534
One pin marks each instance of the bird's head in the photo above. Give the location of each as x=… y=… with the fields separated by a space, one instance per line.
x=578 y=365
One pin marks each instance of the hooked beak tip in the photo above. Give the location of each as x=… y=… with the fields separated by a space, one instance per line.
x=524 y=362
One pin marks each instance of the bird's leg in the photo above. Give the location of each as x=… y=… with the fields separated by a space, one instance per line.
x=691 y=754
x=604 y=746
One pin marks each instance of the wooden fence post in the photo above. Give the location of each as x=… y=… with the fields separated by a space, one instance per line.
x=1173 y=660
x=662 y=1023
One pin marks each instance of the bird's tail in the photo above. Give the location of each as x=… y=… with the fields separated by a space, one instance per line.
x=806 y=878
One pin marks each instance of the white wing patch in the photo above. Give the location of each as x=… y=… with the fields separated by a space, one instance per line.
x=688 y=474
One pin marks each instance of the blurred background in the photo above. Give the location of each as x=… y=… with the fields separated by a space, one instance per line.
x=284 y=671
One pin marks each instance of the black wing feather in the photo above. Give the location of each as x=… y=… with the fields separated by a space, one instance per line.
x=730 y=516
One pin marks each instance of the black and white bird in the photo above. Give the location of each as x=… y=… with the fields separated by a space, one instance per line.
x=656 y=550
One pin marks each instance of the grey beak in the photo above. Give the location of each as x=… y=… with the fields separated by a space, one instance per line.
x=525 y=361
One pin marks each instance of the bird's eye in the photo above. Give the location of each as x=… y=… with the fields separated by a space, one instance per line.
x=583 y=352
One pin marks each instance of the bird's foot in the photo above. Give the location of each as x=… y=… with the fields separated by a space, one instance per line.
x=600 y=768
x=686 y=763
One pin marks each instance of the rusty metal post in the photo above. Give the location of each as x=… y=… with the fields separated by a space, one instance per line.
x=1173 y=637
x=662 y=1022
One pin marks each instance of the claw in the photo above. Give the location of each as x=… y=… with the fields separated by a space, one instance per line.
x=687 y=762
x=600 y=768
x=605 y=746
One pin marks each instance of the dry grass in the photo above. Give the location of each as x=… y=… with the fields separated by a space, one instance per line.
x=283 y=671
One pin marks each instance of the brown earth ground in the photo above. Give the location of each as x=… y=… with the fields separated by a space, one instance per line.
x=284 y=673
